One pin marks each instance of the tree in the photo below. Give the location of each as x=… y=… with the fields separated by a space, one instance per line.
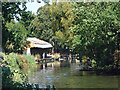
x=10 y=11
x=17 y=36
x=61 y=23
x=56 y=19
x=26 y=18
x=96 y=30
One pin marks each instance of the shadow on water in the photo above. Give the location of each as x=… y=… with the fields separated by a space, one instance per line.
x=68 y=75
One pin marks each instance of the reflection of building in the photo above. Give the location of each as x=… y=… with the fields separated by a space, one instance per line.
x=37 y=46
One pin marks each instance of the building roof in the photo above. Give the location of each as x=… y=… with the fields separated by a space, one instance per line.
x=38 y=43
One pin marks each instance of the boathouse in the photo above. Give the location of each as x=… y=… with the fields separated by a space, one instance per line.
x=37 y=46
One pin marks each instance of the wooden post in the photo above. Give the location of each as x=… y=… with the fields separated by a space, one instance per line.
x=28 y=51
x=43 y=55
x=53 y=48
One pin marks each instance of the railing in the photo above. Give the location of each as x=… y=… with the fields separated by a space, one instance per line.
x=46 y=60
x=70 y=58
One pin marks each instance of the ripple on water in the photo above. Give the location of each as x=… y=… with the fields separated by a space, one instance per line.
x=71 y=77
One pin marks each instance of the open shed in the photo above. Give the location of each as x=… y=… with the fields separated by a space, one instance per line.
x=37 y=46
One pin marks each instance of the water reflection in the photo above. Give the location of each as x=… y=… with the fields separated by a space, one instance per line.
x=66 y=75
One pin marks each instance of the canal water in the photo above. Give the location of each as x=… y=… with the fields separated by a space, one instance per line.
x=69 y=76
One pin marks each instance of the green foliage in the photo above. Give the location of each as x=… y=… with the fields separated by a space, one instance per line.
x=8 y=83
x=88 y=61
x=26 y=18
x=117 y=59
x=10 y=11
x=17 y=63
x=93 y=63
x=18 y=34
x=96 y=30
x=30 y=58
x=13 y=34
x=12 y=75
x=85 y=59
x=52 y=24
x=47 y=35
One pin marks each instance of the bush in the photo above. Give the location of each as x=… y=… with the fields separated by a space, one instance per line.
x=12 y=75
x=117 y=59
x=87 y=61
x=18 y=65
x=37 y=57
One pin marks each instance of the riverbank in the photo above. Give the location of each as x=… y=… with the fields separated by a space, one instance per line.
x=59 y=74
x=105 y=72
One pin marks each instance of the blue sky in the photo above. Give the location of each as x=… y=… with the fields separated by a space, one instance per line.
x=33 y=6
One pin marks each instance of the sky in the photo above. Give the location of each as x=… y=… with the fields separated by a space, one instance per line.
x=33 y=6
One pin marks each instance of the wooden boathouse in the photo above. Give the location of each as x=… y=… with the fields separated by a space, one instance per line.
x=37 y=46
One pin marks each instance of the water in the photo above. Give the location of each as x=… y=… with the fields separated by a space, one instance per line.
x=69 y=76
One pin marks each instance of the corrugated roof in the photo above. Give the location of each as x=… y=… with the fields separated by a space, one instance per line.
x=39 y=43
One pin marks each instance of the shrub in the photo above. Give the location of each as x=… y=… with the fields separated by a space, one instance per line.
x=88 y=62
x=117 y=59
x=18 y=65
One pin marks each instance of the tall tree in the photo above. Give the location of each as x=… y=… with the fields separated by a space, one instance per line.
x=10 y=11
x=18 y=34
x=96 y=30
x=26 y=18
x=54 y=21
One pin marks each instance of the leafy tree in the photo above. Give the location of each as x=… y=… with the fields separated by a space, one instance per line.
x=40 y=23
x=56 y=19
x=17 y=35
x=26 y=18
x=62 y=22
x=10 y=11
x=96 y=30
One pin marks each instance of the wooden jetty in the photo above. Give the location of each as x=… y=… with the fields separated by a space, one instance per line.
x=70 y=58
x=66 y=58
x=63 y=60
x=45 y=60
